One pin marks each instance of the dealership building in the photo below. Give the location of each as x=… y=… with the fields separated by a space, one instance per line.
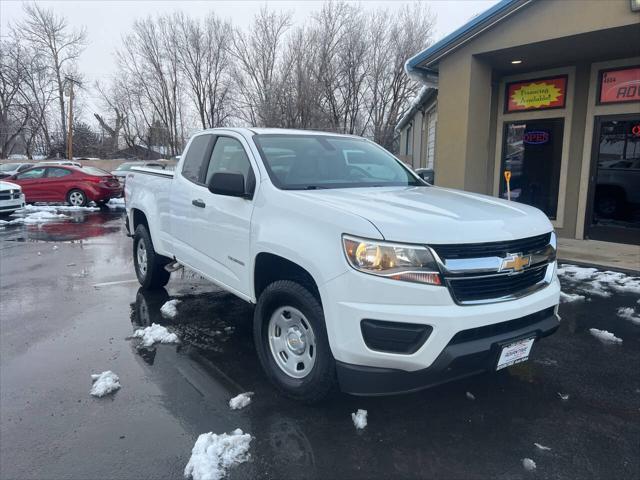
x=546 y=94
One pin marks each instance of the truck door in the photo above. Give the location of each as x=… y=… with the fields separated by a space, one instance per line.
x=222 y=226
x=186 y=189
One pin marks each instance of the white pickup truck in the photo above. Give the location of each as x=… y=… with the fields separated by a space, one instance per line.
x=363 y=275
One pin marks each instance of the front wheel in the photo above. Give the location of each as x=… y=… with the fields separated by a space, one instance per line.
x=291 y=340
x=148 y=264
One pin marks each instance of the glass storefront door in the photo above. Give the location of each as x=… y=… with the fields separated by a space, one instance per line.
x=532 y=152
x=613 y=213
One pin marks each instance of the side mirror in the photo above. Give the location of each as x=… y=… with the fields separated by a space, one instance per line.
x=230 y=184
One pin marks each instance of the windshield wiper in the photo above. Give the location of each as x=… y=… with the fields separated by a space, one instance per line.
x=315 y=187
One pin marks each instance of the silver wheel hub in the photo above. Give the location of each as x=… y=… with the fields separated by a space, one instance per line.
x=76 y=198
x=292 y=342
x=141 y=255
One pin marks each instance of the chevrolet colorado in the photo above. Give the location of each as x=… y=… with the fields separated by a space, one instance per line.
x=362 y=274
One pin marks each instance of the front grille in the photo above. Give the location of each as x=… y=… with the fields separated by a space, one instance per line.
x=9 y=196
x=493 y=249
x=489 y=331
x=477 y=288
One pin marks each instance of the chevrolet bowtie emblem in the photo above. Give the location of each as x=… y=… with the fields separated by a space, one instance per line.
x=515 y=262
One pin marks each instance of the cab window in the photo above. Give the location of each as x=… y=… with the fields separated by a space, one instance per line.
x=228 y=156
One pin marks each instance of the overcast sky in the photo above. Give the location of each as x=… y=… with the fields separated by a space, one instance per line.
x=108 y=20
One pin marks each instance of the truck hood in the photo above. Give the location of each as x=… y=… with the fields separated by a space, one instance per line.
x=436 y=215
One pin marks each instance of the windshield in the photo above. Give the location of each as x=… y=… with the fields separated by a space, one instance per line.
x=298 y=162
x=9 y=167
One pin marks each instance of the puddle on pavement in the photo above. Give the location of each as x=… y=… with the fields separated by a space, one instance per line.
x=80 y=225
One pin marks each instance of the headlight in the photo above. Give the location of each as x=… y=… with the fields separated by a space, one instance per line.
x=410 y=263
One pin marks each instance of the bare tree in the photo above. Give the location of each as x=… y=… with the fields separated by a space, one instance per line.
x=258 y=54
x=51 y=35
x=205 y=63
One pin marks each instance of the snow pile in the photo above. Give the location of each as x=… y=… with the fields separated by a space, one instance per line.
x=169 y=309
x=602 y=283
x=564 y=397
x=155 y=334
x=57 y=208
x=213 y=455
x=37 y=217
x=628 y=313
x=116 y=203
x=240 y=401
x=471 y=396
x=528 y=464
x=542 y=447
x=359 y=419
x=570 y=297
x=604 y=336
x=104 y=383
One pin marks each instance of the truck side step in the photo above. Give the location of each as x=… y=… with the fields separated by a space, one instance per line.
x=173 y=266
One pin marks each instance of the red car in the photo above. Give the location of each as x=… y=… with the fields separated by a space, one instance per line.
x=74 y=185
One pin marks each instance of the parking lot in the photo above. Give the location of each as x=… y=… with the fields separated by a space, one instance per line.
x=70 y=302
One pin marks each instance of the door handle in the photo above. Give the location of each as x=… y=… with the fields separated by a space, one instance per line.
x=198 y=203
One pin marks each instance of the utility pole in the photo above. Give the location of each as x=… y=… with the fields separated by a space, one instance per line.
x=70 y=83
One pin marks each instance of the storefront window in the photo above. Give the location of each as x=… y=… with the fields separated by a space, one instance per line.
x=616 y=193
x=532 y=152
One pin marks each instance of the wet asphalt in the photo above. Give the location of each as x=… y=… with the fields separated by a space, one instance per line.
x=67 y=312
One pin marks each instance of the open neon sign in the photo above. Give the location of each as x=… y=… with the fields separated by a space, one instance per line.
x=535 y=137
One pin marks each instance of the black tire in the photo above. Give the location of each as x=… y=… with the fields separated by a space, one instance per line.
x=321 y=379
x=151 y=272
x=80 y=195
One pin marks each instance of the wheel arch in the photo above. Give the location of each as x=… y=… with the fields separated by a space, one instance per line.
x=269 y=268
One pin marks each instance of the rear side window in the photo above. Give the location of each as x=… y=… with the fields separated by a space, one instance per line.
x=57 y=172
x=195 y=163
x=95 y=171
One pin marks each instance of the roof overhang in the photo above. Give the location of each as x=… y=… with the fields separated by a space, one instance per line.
x=424 y=65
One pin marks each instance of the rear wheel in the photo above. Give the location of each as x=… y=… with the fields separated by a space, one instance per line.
x=148 y=264
x=76 y=198
x=291 y=340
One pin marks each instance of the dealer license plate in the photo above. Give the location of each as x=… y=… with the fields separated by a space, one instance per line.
x=515 y=352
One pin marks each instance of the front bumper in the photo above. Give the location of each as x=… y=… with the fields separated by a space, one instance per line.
x=474 y=351
x=356 y=297
x=12 y=205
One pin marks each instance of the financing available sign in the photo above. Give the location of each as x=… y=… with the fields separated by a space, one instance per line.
x=539 y=94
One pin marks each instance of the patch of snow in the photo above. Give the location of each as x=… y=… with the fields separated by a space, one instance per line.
x=240 y=401
x=359 y=419
x=599 y=282
x=528 y=464
x=170 y=308
x=604 y=336
x=548 y=362
x=39 y=253
x=38 y=217
x=629 y=313
x=471 y=396
x=213 y=455
x=104 y=383
x=116 y=203
x=57 y=208
x=155 y=334
x=55 y=247
x=564 y=397
x=570 y=297
x=542 y=447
